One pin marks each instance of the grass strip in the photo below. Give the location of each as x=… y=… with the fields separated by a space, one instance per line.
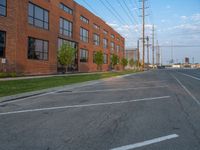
x=13 y=87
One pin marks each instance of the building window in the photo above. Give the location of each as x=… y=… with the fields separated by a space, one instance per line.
x=38 y=49
x=85 y=20
x=84 y=35
x=96 y=26
x=112 y=36
x=66 y=9
x=3 y=7
x=96 y=39
x=105 y=43
x=105 y=32
x=62 y=41
x=83 y=55
x=38 y=16
x=112 y=46
x=65 y=27
x=2 y=43
x=118 y=48
x=105 y=58
x=118 y=39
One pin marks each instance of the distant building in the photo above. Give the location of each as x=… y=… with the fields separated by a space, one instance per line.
x=131 y=54
x=187 y=60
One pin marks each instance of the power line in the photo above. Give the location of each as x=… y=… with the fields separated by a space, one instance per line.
x=115 y=11
x=133 y=16
x=137 y=8
x=127 y=14
x=110 y=11
x=180 y=46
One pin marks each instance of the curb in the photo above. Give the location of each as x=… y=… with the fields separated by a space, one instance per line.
x=17 y=97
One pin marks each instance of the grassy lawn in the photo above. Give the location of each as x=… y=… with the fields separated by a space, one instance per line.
x=27 y=85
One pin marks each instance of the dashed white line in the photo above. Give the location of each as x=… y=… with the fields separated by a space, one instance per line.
x=145 y=143
x=85 y=105
x=194 y=98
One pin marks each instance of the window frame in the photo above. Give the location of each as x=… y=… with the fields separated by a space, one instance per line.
x=105 y=62
x=84 y=59
x=5 y=7
x=62 y=29
x=105 y=32
x=112 y=48
x=118 y=48
x=38 y=50
x=95 y=26
x=82 y=36
x=34 y=18
x=96 y=39
x=62 y=6
x=84 y=19
x=4 y=46
x=105 y=45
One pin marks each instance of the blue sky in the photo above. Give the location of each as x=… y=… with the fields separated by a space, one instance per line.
x=176 y=21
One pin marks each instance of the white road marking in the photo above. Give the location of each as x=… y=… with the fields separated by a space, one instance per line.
x=189 y=76
x=111 y=90
x=22 y=99
x=194 y=98
x=128 y=80
x=145 y=143
x=80 y=106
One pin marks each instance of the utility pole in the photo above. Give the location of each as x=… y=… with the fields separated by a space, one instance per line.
x=148 y=52
x=153 y=46
x=157 y=53
x=143 y=33
x=160 y=53
x=138 y=53
x=172 y=59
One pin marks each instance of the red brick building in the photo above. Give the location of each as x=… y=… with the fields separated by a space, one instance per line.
x=32 y=31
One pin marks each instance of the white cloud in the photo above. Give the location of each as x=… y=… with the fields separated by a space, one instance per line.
x=184 y=17
x=129 y=32
x=114 y=25
x=195 y=17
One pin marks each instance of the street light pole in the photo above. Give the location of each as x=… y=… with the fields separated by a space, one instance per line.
x=153 y=47
x=143 y=33
x=148 y=52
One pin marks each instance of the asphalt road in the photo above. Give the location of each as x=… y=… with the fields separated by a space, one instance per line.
x=155 y=110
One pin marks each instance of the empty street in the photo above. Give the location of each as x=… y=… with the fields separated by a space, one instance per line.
x=154 y=110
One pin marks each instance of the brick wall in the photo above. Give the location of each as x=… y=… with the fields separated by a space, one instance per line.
x=18 y=30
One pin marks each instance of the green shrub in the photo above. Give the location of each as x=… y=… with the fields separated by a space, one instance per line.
x=7 y=74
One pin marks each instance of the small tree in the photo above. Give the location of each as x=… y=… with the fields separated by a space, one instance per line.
x=114 y=60
x=131 y=62
x=98 y=59
x=66 y=55
x=124 y=62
